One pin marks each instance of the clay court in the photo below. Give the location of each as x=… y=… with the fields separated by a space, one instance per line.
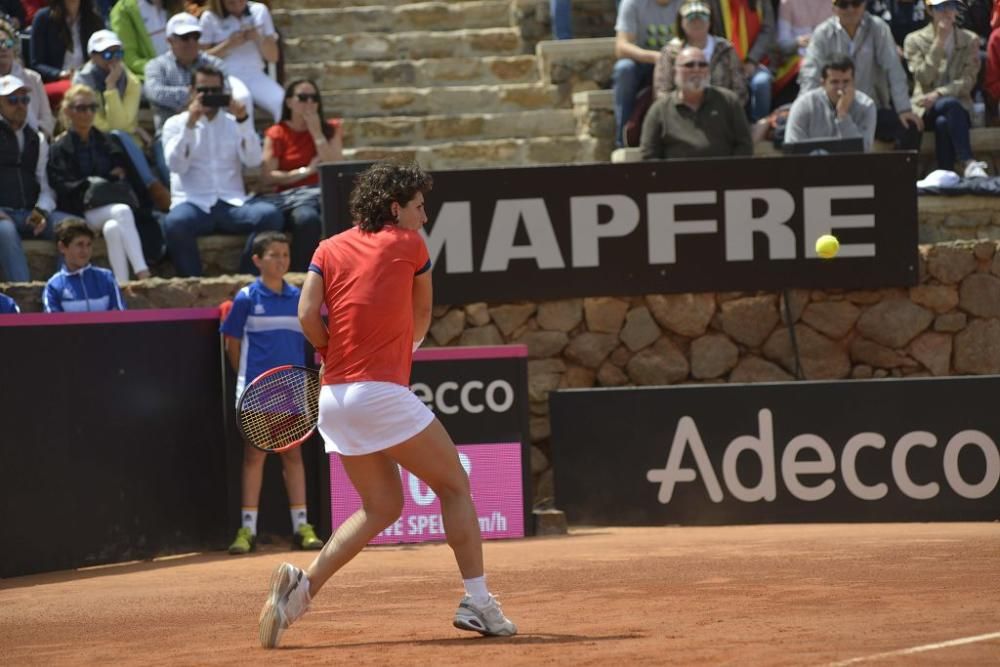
x=783 y=595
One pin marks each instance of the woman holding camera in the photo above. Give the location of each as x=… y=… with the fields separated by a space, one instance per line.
x=293 y=151
x=82 y=162
x=243 y=35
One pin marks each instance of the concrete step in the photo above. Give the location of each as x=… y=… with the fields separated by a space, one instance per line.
x=403 y=18
x=425 y=130
x=346 y=4
x=583 y=64
x=420 y=73
x=413 y=45
x=442 y=100
x=484 y=154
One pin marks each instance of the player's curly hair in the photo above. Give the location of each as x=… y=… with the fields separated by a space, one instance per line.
x=382 y=184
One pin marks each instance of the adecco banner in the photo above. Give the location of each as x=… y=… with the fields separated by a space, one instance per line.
x=671 y=226
x=882 y=450
x=480 y=395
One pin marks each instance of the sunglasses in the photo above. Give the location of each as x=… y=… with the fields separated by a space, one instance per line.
x=189 y=37
x=945 y=7
x=692 y=64
x=113 y=54
x=19 y=99
x=84 y=108
x=307 y=97
x=845 y=4
x=7 y=43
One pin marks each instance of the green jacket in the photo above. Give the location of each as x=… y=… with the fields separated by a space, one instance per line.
x=127 y=23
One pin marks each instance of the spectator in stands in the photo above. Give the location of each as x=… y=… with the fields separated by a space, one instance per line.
x=39 y=114
x=262 y=331
x=725 y=67
x=206 y=149
x=796 y=21
x=944 y=61
x=27 y=205
x=243 y=35
x=8 y=306
x=14 y=11
x=902 y=16
x=141 y=26
x=991 y=82
x=81 y=154
x=59 y=34
x=642 y=28
x=168 y=77
x=749 y=26
x=293 y=151
x=696 y=119
x=78 y=286
x=878 y=72
x=119 y=94
x=834 y=111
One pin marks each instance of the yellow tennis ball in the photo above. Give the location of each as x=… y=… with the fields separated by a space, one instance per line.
x=827 y=246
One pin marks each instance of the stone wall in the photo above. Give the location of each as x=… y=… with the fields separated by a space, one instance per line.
x=949 y=324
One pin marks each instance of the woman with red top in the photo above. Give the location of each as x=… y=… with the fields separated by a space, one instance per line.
x=293 y=150
x=375 y=281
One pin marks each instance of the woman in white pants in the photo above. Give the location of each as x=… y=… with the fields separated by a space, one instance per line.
x=243 y=35
x=76 y=158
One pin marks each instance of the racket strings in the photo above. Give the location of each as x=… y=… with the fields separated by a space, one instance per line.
x=281 y=408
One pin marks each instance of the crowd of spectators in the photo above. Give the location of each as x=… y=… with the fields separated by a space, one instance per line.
x=875 y=70
x=93 y=169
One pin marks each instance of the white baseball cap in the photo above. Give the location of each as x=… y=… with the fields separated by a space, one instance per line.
x=182 y=24
x=102 y=40
x=11 y=84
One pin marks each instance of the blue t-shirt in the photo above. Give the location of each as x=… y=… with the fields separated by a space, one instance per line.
x=8 y=305
x=268 y=326
x=90 y=289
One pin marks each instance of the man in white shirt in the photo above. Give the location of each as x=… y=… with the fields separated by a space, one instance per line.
x=206 y=149
x=26 y=200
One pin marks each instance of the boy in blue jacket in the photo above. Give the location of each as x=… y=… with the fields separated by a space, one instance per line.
x=79 y=287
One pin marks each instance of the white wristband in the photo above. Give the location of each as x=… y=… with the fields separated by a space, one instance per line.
x=416 y=344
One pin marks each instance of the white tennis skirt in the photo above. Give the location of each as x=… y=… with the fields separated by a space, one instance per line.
x=358 y=418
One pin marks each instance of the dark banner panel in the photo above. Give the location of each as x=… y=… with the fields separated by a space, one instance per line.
x=670 y=226
x=112 y=445
x=885 y=450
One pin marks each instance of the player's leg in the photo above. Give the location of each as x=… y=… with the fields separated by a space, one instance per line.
x=431 y=456
x=295 y=483
x=252 y=478
x=376 y=479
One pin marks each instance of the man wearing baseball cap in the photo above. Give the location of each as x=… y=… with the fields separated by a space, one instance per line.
x=26 y=200
x=168 y=76
x=39 y=112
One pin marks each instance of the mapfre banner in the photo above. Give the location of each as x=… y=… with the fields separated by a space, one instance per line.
x=653 y=227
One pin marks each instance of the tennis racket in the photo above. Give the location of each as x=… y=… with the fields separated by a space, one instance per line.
x=279 y=410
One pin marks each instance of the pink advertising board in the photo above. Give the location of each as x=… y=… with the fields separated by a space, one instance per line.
x=495 y=477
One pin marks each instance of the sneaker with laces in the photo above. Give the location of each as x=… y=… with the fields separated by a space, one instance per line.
x=286 y=602
x=975 y=169
x=487 y=619
x=244 y=542
x=305 y=538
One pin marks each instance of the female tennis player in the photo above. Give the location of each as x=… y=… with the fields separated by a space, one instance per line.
x=375 y=280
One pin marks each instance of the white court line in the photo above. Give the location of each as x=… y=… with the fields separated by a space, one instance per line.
x=918 y=649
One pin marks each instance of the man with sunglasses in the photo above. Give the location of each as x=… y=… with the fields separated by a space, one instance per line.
x=39 y=113
x=695 y=119
x=206 y=148
x=26 y=200
x=168 y=76
x=878 y=70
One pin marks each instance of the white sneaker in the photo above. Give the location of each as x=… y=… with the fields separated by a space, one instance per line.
x=975 y=169
x=287 y=601
x=486 y=620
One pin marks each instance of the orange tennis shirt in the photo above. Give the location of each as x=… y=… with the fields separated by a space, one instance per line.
x=368 y=290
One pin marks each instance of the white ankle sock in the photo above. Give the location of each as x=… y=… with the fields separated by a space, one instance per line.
x=299 y=516
x=249 y=515
x=476 y=589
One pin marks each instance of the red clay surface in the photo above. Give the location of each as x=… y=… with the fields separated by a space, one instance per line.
x=795 y=595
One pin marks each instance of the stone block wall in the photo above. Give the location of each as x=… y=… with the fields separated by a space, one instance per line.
x=948 y=324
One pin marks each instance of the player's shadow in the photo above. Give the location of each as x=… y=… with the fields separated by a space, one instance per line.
x=537 y=638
